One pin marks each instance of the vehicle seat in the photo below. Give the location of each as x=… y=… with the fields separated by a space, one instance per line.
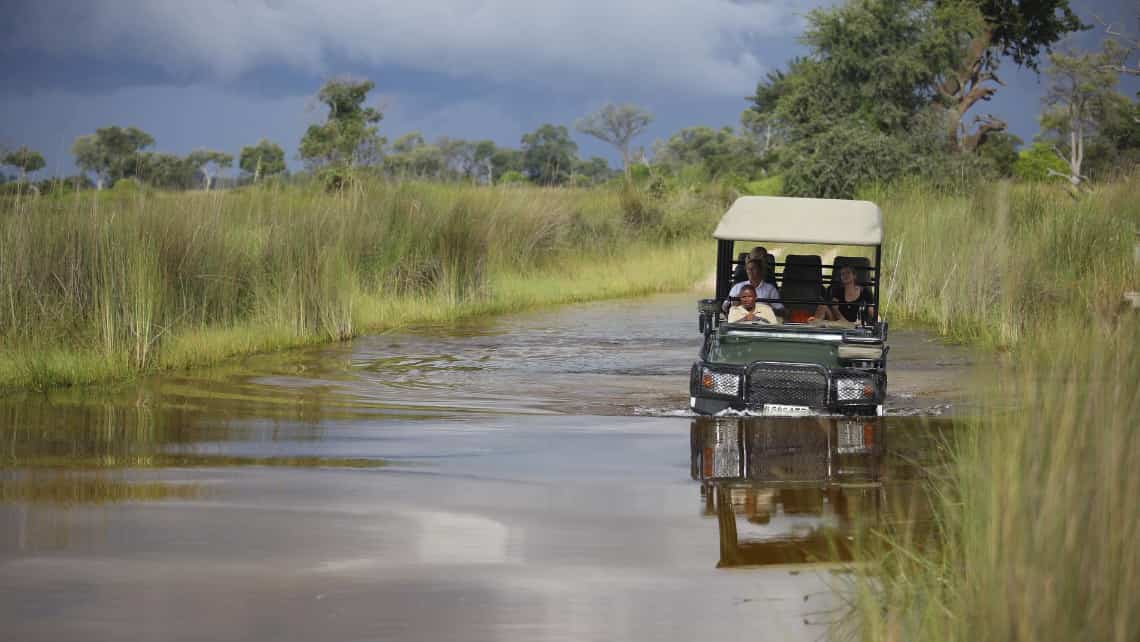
x=802 y=279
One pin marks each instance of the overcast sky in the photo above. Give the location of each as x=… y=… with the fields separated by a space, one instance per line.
x=224 y=73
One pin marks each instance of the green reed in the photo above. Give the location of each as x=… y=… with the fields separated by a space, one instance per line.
x=1036 y=524
x=988 y=266
x=97 y=286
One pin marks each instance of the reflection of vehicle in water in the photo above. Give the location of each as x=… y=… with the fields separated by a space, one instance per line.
x=795 y=490
x=800 y=366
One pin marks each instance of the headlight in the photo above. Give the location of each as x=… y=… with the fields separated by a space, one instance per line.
x=854 y=389
x=721 y=383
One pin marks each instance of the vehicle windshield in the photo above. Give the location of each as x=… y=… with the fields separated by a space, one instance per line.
x=742 y=348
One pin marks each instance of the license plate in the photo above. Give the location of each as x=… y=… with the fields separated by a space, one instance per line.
x=782 y=410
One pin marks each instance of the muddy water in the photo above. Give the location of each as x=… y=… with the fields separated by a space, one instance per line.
x=531 y=477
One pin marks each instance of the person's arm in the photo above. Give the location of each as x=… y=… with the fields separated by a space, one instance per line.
x=734 y=291
x=773 y=293
x=871 y=313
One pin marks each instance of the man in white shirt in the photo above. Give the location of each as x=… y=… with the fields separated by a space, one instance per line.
x=756 y=269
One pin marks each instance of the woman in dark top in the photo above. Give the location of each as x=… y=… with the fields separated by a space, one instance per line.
x=847 y=296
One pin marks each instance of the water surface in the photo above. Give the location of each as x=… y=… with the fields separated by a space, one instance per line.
x=530 y=477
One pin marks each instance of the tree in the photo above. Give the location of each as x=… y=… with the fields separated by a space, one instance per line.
x=348 y=137
x=1038 y=163
x=1115 y=147
x=593 y=171
x=111 y=153
x=719 y=153
x=1123 y=49
x=1081 y=95
x=1016 y=29
x=25 y=160
x=867 y=90
x=616 y=125
x=482 y=164
x=503 y=160
x=167 y=171
x=1000 y=149
x=209 y=162
x=549 y=154
x=761 y=120
x=411 y=155
x=263 y=159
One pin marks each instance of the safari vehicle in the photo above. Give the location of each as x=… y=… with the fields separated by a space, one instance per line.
x=799 y=365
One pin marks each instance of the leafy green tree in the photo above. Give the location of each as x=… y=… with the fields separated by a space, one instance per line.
x=167 y=171
x=852 y=154
x=719 y=153
x=549 y=154
x=593 y=171
x=349 y=136
x=1000 y=149
x=617 y=125
x=210 y=162
x=67 y=184
x=1080 y=97
x=412 y=155
x=859 y=108
x=25 y=160
x=1038 y=163
x=111 y=153
x=1116 y=145
x=503 y=160
x=263 y=159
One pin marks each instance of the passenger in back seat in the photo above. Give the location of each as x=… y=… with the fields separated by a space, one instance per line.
x=847 y=297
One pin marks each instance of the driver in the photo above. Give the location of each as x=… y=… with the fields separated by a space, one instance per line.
x=749 y=310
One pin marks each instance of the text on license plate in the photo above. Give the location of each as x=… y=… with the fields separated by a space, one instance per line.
x=782 y=410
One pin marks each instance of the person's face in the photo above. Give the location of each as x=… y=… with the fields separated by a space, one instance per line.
x=748 y=298
x=846 y=276
x=755 y=272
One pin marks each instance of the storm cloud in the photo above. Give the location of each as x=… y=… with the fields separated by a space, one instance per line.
x=705 y=46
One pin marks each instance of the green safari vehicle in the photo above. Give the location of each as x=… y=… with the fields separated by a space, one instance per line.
x=800 y=364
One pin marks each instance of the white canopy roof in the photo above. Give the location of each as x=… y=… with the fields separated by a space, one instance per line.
x=801 y=220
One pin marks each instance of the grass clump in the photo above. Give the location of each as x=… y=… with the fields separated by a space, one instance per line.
x=988 y=266
x=103 y=285
x=1036 y=523
x=1037 y=527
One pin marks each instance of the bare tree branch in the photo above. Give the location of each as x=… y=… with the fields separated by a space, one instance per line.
x=1128 y=46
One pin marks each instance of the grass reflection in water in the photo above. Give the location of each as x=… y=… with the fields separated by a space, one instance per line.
x=59 y=450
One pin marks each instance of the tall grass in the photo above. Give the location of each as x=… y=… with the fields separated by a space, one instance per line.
x=988 y=266
x=1037 y=524
x=102 y=285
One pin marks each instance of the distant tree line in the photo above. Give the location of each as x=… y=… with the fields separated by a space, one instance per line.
x=887 y=89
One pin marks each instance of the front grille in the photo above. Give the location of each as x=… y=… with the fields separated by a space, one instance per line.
x=787 y=384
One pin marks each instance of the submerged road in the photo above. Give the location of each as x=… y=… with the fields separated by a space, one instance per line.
x=532 y=477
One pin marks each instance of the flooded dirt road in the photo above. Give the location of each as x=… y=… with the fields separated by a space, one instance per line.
x=533 y=477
